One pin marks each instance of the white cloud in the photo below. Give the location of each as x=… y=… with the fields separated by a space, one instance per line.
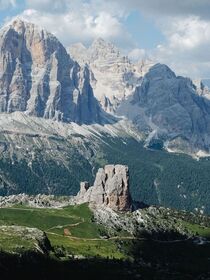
x=188 y=33
x=199 y=8
x=56 y=6
x=5 y=4
x=184 y=23
x=113 y=8
x=187 y=46
x=80 y=25
x=186 y=26
x=79 y=21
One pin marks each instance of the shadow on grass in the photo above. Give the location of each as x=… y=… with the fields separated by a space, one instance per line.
x=153 y=261
x=37 y=266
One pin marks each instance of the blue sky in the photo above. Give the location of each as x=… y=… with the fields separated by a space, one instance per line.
x=173 y=32
x=9 y=10
x=143 y=30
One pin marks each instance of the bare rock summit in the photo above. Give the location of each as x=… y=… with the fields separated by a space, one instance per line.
x=39 y=78
x=111 y=188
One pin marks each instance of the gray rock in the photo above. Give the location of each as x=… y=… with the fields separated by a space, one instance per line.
x=38 y=77
x=36 y=201
x=111 y=188
x=169 y=108
x=113 y=76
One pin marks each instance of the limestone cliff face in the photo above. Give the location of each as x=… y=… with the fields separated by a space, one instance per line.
x=114 y=76
x=168 y=108
x=37 y=76
x=111 y=188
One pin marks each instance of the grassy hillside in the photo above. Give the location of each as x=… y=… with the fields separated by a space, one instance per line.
x=73 y=234
x=70 y=229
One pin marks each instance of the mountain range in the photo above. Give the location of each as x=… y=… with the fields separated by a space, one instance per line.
x=40 y=78
x=168 y=109
x=67 y=111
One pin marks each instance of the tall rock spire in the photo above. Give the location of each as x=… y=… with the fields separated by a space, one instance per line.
x=111 y=188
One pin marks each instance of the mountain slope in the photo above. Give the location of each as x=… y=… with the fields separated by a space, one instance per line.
x=150 y=243
x=55 y=157
x=169 y=110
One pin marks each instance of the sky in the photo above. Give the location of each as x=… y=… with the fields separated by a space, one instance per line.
x=174 y=32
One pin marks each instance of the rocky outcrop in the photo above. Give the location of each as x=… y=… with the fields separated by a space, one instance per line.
x=167 y=107
x=35 y=239
x=36 y=201
x=111 y=188
x=201 y=89
x=38 y=77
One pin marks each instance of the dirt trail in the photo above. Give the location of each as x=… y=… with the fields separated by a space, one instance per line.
x=68 y=225
x=98 y=239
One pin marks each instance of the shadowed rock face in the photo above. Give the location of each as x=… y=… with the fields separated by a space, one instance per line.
x=38 y=77
x=167 y=107
x=111 y=188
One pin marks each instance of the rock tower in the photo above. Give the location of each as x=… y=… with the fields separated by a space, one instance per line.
x=111 y=188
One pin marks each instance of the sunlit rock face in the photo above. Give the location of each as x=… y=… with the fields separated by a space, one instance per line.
x=114 y=77
x=111 y=188
x=38 y=77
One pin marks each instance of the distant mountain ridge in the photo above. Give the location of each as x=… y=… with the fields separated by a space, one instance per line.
x=170 y=109
x=172 y=112
x=114 y=76
x=90 y=85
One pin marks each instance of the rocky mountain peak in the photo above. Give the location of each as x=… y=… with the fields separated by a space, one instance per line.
x=39 y=78
x=201 y=89
x=103 y=49
x=169 y=110
x=113 y=77
x=111 y=188
x=18 y=25
x=21 y=26
x=160 y=71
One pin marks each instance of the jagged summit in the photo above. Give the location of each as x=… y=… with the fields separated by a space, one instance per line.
x=18 y=24
x=113 y=77
x=101 y=49
x=99 y=42
x=160 y=70
x=21 y=25
x=169 y=110
x=39 y=78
